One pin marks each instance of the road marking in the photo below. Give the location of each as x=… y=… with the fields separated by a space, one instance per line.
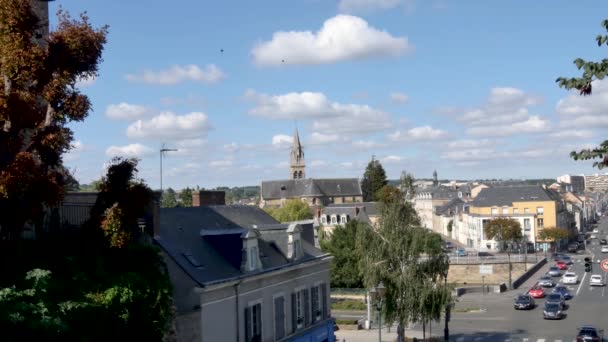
x=581 y=284
x=540 y=340
x=558 y=340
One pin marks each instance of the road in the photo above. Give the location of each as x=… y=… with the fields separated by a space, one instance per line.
x=500 y=322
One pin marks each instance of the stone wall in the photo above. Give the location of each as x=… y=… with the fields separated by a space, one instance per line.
x=469 y=274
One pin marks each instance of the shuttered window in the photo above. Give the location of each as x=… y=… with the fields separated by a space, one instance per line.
x=253 y=323
x=314 y=303
x=279 y=317
x=306 y=298
x=324 y=307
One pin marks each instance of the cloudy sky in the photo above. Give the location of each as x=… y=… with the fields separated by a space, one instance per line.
x=463 y=87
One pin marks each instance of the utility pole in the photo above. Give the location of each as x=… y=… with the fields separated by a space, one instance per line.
x=162 y=151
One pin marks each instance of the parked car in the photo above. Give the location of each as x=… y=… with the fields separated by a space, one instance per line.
x=552 y=311
x=570 y=278
x=596 y=280
x=536 y=292
x=604 y=249
x=557 y=256
x=524 y=302
x=449 y=245
x=561 y=265
x=561 y=289
x=554 y=271
x=593 y=236
x=556 y=298
x=572 y=248
x=460 y=252
x=589 y=333
x=545 y=281
x=603 y=242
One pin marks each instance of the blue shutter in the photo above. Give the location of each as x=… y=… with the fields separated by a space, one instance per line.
x=294 y=313
x=247 y=324
x=323 y=301
x=306 y=308
x=279 y=318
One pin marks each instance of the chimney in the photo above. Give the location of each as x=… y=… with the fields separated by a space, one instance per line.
x=208 y=197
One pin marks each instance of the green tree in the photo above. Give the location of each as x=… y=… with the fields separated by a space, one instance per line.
x=504 y=230
x=185 y=197
x=374 y=178
x=591 y=71
x=292 y=210
x=406 y=183
x=553 y=234
x=342 y=245
x=411 y=263
x=39 y=100
x=169 y=199
x=389 y=194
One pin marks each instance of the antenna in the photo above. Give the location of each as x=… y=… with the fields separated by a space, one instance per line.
x=163 y=150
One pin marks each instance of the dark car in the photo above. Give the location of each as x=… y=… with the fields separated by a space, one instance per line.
x=524 y=302
x=552 y=311
x=572 y=248
x=561 y=289
x=448 y=245
x=556 y=298
x=603 y=242
x=588 y=333
x=557 y=256
x=567 y=259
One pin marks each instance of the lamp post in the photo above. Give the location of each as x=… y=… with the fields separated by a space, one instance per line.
x=162 y=151
x=446 y=330
x=377 y=293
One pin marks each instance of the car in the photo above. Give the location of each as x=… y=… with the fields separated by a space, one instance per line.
x=570 y=278
x=557 y=256
x=449 y=245
x=593 y=236
x=460 y=252
x=595 y=230
x=596 y=280
x=524 y=302
x=603 y=242
x=536 y=292
x=604 y=249
x=545 y=281
x=581 y=238
x=554 y=271
x=572 y=248
x=588 y=333
x=561 y=289
x=556 y=298
x=561 y=265
x=552 y=311
x=567 y=259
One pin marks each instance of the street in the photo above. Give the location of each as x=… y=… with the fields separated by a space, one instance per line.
x=498 y=321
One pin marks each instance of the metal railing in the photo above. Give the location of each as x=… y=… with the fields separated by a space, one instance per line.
x=492 y=259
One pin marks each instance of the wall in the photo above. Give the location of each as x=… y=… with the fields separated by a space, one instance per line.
x=470 y=273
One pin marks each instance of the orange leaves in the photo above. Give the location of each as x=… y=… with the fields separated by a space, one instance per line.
x=112 y=227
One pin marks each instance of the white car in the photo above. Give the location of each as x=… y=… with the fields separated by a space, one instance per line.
x=595 y=230
x=605 y=249
x=570 y=278
x=596 y=280
x=593 y=236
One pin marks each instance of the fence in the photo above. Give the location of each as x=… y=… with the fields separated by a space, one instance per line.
x=493 y=259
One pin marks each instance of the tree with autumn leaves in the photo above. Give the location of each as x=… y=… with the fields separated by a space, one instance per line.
x=39 y=97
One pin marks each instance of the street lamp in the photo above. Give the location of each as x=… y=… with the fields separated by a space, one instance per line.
x=446 y=330
x=162 y=151
x=377 y=293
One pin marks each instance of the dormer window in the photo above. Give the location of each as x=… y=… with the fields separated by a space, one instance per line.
x=343 y=219
x=323 y=219
x=334 y=219
x=251 y=253
x=253 y=258
x=294 y=242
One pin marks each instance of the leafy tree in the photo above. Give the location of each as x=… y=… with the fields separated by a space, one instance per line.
x=38 y=100
x=504 y=230
x=169 y=199
x=374 y=178
x=406 y=183
x=591 y=71
x=185 y=197
x=342 y=244
x=389 y=194
x=553 y=234
x=292 y=210
x=411 y=263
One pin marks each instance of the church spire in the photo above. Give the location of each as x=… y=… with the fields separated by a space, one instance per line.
x=296 y=165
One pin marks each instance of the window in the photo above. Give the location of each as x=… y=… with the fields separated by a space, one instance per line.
x=323 y=219
x=279 y=317
x=253 y=323
x=526 y=210
x=527 y=224
x=515 y=211
x=298 y=248
x=505 y=210
x=334 y=220
x=343 y=219
x=540 y=210
x=300 y=307
x=253 y=258
x=494 y=211
x=540 y=223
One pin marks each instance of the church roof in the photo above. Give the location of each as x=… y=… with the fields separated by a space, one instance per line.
x=310 y=187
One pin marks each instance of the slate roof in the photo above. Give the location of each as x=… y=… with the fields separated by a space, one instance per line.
x=206 y=241
x=506 y=195
x=371 y=208
x=310 y=187
x=440 y=192
x=455 y=205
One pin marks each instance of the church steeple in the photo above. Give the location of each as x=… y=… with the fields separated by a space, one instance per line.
x=296 y=165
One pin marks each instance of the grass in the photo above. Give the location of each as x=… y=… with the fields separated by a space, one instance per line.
x=347 y=321
x=348 y=304
x=466 y=309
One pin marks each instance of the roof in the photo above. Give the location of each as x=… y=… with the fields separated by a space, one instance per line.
x=310 y=187
x=506 y=195
x=206 y=242
x=440 y=192
x=371 y=208
x=455 y=205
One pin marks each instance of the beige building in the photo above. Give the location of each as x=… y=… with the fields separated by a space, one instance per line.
x=339 y=214
x=427 y=200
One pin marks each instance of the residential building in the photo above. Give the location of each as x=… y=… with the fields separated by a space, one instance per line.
x=476 y=189
x=450 y=220
x=533 y=206
x=571 y=183
x=596 y=182
x=426 y=200
x=339 y=214
x=239 y=275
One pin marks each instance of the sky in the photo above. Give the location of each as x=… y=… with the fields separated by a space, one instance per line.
x=466 y=88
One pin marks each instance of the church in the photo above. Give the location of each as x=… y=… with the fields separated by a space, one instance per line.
x=315 y=192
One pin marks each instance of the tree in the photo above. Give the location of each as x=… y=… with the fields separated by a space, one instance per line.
x=406 y=183
x=169 y=199
x=292 y=210
x=591 y=71
x=389 y=194
x=374 y=178
x=504 y=230
x=342 y=245
x=553 y=234
x=38 y=100
x=185 y=197
x=411 y=263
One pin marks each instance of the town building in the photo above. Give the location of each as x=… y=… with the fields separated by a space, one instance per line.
x=572 y=183
x=596 y=182
x=239 y=275
x=427 y=200
x=339 y=214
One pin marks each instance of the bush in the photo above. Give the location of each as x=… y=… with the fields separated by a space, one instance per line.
x=347 y=321
x=348 y=304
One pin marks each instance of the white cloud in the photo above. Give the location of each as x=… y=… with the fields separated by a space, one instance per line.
x=351 y=6
x=328 y=117
x=418 y=134
x=282 y=140
x=132 y=150
x=366 y=144
x=224 y=163
x=318 y=163
x=347 y=164
x=572 y=134
x=168 y=125
x=468 y=143
x=391 y=159
x=85 y=81
x=341 y=38
x=179 y=73
x=533 y=124
x=76 y=147
x=232 y=147
x=398 y=97
x=475 y=154
x=320 y=139
x=578 y=111
x=125 y=111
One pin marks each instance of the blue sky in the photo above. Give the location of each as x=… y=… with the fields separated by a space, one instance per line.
x=463 y=87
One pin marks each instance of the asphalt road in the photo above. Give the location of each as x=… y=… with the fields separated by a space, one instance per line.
x=498 y=321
